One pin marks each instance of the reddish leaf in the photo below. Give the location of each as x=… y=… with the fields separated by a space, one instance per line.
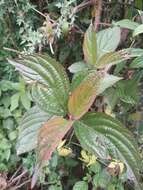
x=50 y=136
x=83 y=96
x=89 y=46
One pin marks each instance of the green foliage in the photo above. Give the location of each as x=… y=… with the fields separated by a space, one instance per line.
x=99 y=134
x=81 y=185
x=105 y=81
x=123 y=88
x=11 y=110
x=102 y=179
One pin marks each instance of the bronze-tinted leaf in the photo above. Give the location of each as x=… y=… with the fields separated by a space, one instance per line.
x=89 y=46
x=50 y=136
x=111 y=58
x=83 y=96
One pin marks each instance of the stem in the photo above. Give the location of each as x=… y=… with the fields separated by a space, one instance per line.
x=50 y=183
x=105 y=24
x=44 y=15
x=82 y=6
x=76 y=144
x=71 y=137
x=18 y=177
x=125 y=9
x=13 y=176
x=132 y=43
x=98 y=11
x=17 y=187
x=39 y=12
x=12 y=50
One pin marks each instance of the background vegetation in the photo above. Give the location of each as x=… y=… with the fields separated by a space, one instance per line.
x=57 y=28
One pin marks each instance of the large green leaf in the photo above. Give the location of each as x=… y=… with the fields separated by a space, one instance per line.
x=45 y=98
x=126 y=23
x=89 y=46
x=44 y=70
x=116 y=138
x=106 y=82
x=93 y=142
x=108 y=40
x=28 y=129
x=83 y=96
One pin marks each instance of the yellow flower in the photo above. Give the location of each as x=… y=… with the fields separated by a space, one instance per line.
x=108 y=111
x=116 y=167
x=63 y=151
x=87 y=158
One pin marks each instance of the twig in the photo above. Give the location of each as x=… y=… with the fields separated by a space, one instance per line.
x=70 y=137
x=46 y=16
x=79 y=29
x=15 y=173
x=39 y=12
x=76 y=144
x=105 y=24
x=18 y=177
x=132 y=44
x=12 y=50
x=17 y=187
x=98 y=10
x=81 y=6
x=50 y=183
